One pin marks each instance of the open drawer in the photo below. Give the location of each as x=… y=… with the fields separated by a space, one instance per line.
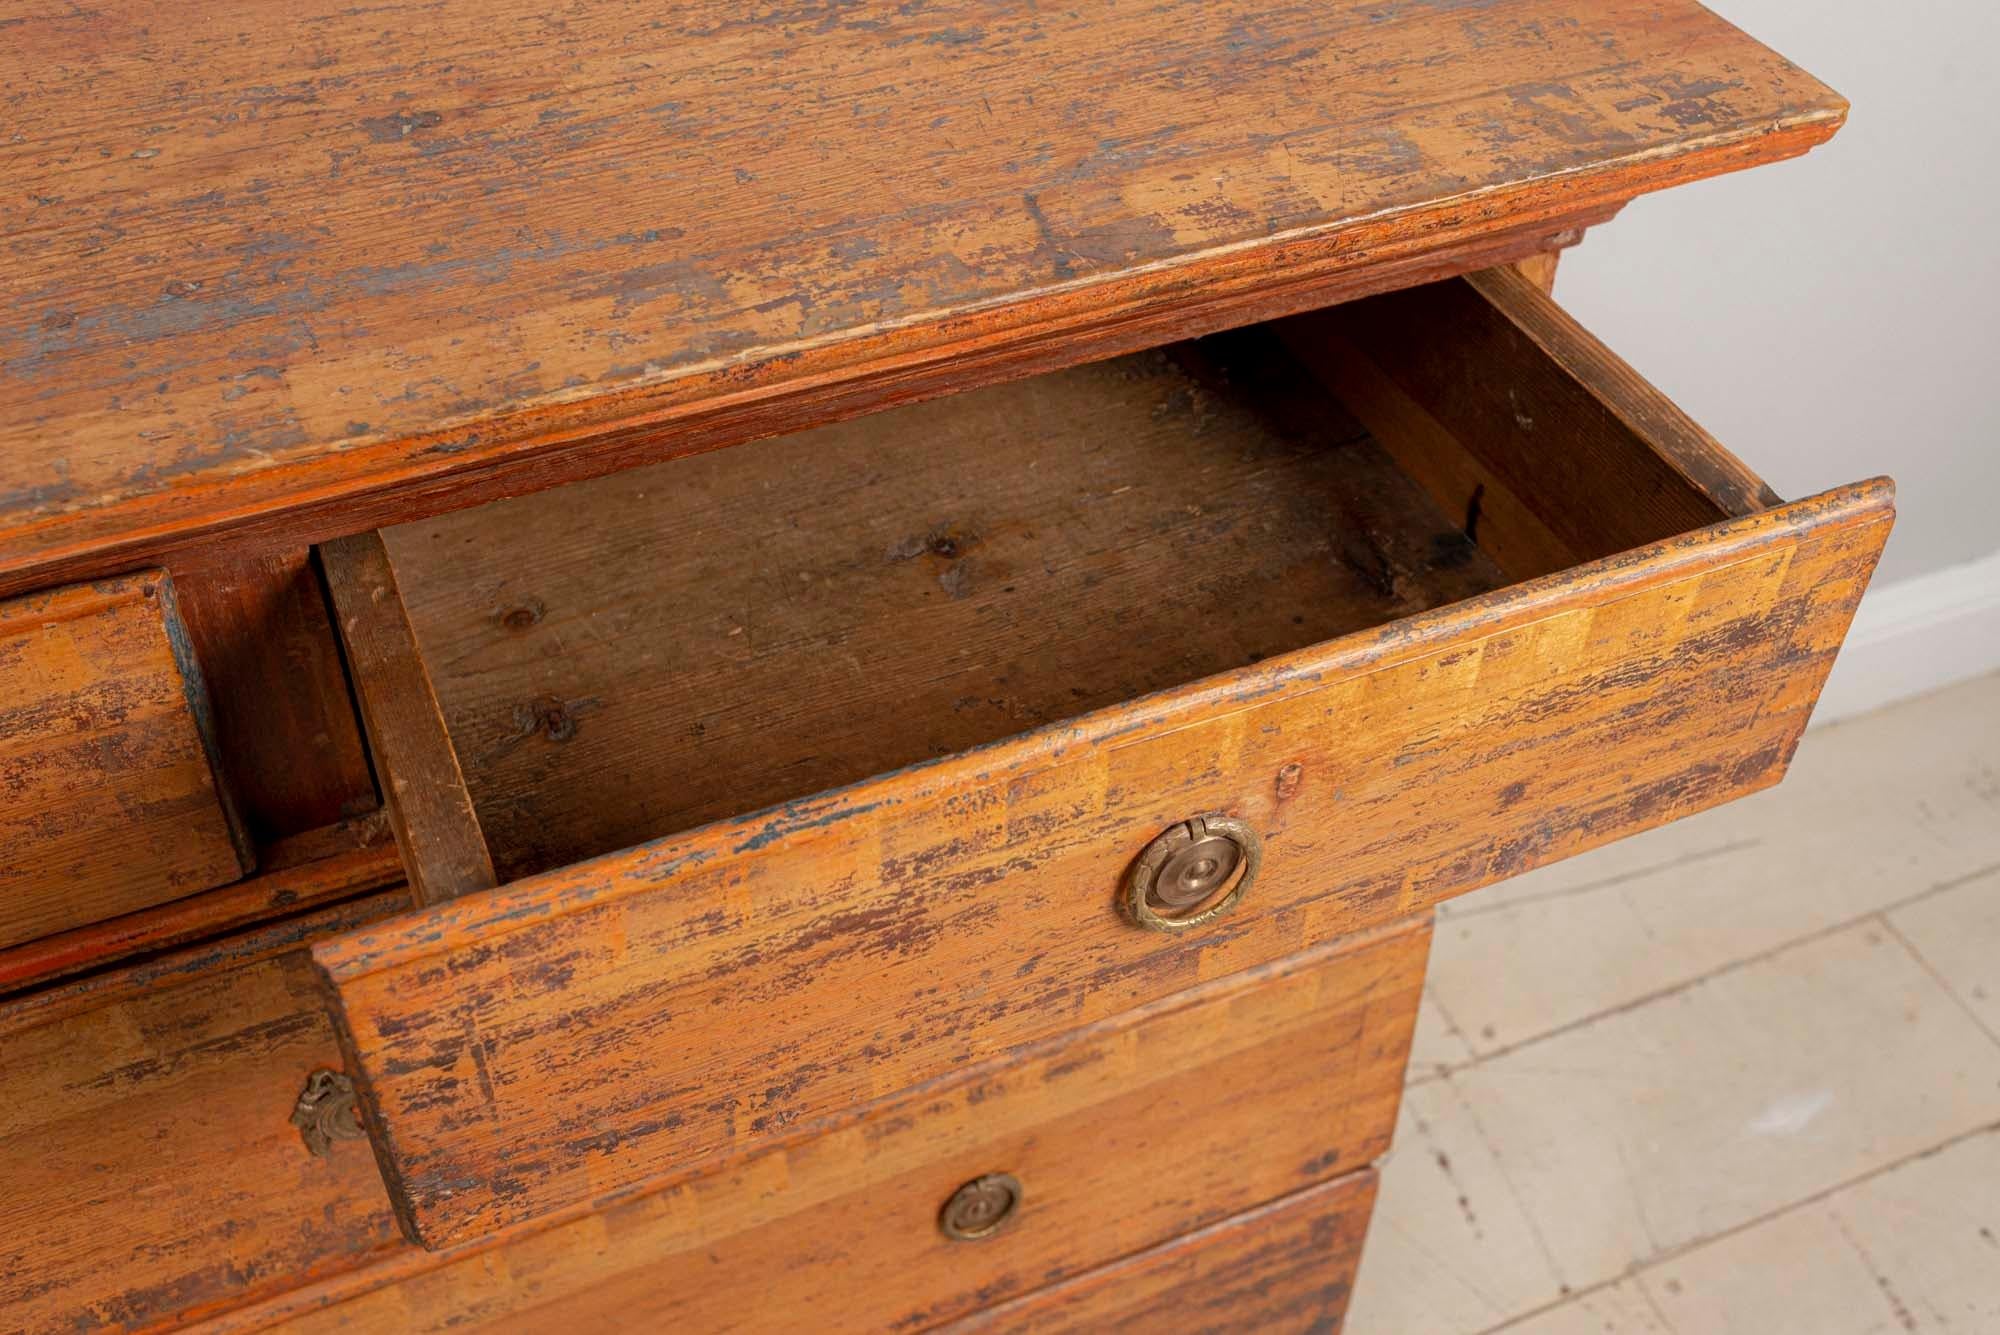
x=1135 y=675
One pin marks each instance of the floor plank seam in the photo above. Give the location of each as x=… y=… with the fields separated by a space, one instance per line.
x=1641 y=1269
x=1653 y=1306
x=1513 y=1188
x=1454 y=913
x=1441 y=1071
x=1898 y=1309
x=1962 y=1003
x=1451 y=1024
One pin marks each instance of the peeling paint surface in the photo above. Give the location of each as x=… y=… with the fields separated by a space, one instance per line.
x=255 y=249
x=108 y=797
x=591 y=1027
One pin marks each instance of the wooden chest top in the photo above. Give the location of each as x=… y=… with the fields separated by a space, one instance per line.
x=264 y=254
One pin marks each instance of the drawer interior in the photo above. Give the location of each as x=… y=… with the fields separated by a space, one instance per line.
x=641 y=654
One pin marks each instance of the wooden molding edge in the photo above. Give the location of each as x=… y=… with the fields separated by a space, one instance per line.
x=771 y=390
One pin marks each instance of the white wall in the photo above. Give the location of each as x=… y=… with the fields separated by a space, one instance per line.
x=1838 y=316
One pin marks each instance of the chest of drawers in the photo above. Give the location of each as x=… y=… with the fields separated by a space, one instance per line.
x=729 y=670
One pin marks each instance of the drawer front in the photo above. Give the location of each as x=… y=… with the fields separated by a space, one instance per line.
x=524 y=1049
x=1287 y=1267
x=1119 y=1137
x=108 y=795
x=152 y=1169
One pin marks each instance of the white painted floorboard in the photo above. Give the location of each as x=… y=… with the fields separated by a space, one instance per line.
x=1739 y=1074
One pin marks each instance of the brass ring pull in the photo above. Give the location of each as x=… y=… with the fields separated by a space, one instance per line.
x=978 y=1209
x=1183 y=879
x=325 y=1112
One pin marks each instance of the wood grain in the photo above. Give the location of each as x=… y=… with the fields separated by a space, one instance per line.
x=634 y=656
x=284 y=724
x=695 y=994
x=108 y=795
x=152 y=1172
x=1286 y=285
x=436 y=828
x=1546 y=444
x=1541 y=269
x=346 y=861
x=1559 y=352
x=1123 y=1134
x=170 y=968
x=1287 y=1267
x=547 y=233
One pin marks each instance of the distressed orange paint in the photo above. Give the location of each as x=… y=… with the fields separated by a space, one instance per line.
x=350 y=259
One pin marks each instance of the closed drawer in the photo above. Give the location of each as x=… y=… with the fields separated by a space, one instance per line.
x=153 y=1170
x=1287 y=1267
x=1117 y=1139
x=108 y=795
x=1416 y=593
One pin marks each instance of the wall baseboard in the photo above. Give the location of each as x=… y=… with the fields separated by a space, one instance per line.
x=1915 y=636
